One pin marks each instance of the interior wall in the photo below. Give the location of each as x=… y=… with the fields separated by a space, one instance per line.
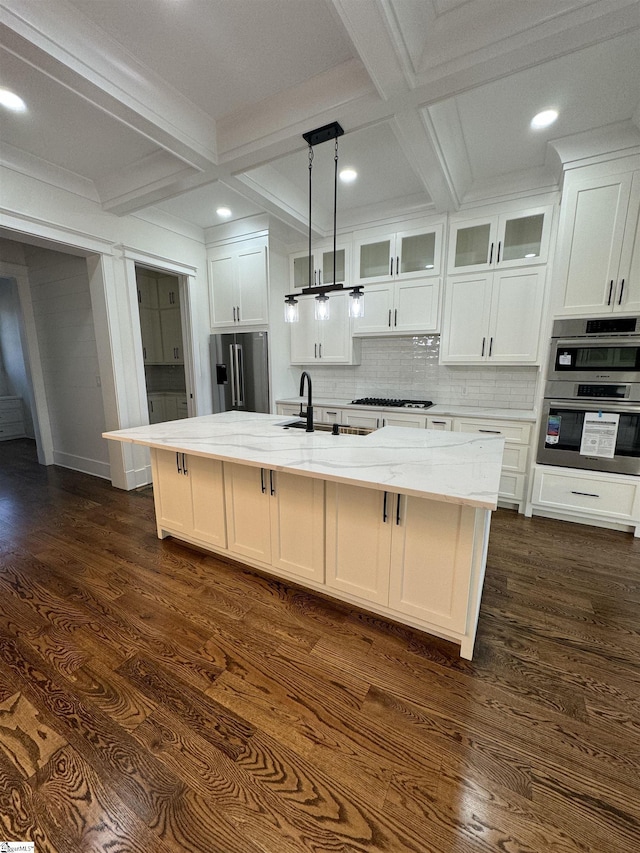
x=14 y=379
x=61 y=299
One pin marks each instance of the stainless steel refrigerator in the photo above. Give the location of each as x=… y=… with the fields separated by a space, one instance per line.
x=240 y=372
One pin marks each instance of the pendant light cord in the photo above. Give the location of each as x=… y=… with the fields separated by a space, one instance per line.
x=335 y=207
x=310 y=284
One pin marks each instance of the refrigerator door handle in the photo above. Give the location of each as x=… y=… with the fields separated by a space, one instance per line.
x=239 y=370
x=232 y=366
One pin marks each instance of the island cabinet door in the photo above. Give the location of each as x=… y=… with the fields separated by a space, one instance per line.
x=358 y=540
x=171 y=492
x=431 y=559
x=247 y=499
x=297 y=525
x=207 y=499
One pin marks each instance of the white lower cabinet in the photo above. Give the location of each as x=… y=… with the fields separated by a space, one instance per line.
x=587 y=496
x=439 y=423
x=189 y=497
x=277 y=519
x=401 y=419
x=11 y=418
x=516 y=453
x=410 y=554
x=367 y=419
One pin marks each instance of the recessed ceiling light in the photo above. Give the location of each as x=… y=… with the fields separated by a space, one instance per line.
x=348 y=175
x=12 y=101
x=544 y=119
x=223 y=212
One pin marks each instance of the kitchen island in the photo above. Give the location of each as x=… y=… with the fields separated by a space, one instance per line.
x=395 y=522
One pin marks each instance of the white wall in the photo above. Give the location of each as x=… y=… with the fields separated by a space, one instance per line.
x=63 y=315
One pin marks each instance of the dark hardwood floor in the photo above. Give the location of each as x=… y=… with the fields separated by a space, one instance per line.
x=156 y=699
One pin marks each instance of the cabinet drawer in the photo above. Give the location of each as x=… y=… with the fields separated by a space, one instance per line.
x=515 y=458
x=513 y=431
x=13 y=430
x=10 y=413
x=511 y=487
x=327 y=416
x=613 y=498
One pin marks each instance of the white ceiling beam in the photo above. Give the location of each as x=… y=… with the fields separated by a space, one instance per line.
x=54 y=38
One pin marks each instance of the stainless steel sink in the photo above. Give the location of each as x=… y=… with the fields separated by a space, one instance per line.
x=334 y=429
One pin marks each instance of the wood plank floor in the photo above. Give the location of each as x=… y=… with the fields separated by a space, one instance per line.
x=156 y=699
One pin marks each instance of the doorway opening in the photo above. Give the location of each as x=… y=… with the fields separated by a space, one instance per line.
x=162 y=344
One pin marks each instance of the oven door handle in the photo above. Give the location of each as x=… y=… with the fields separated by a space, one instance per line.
x=584 y=404
x=595 y=342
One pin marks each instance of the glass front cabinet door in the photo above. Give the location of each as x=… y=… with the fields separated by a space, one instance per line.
x=399 y=255
x=509 y=240
x=321 y=266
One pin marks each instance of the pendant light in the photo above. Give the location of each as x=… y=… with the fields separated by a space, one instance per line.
x=321 y=292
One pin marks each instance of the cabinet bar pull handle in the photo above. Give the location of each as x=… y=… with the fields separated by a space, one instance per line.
x=234 y=313
x=385 y=514
x=492 y=431
x=621 y=292
x=263 y=488
x=585 y=494
x=140 y=297
x=144 y=352
x=271 y=485
x=391 y=267
x=490 y=345
x=483 y=343
x=397 y=265
x=178 y=463
x=398 y=510
x=395 y=317
x=319 y=350
x=315 y=350
x=441 y=422
x=498 y=255
x=238 y=313
x=491 y=253
x=184 y=465
x=610 y=292
x=389 y=317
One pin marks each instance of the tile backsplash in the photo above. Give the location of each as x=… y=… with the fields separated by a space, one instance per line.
x=408 y=367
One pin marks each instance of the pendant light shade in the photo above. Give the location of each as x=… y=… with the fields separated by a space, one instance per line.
x=322 y=307
x=291 y=310
x=356 y=303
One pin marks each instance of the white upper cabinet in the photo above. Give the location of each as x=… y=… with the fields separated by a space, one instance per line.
x=321 y=266
x=238 y=283
x=323 y=341
x=598 y=267
x=400 y=308
x=383 y=257
x=497 y=242
x=494 y=318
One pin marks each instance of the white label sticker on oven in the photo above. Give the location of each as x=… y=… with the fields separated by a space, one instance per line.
x=599 y=434
x=564 y=358
x=553 y=429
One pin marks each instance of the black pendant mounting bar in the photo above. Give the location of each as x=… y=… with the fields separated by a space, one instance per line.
x=322 y=288
x=323 y=134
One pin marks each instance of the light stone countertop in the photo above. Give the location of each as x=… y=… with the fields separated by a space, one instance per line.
x=437 y=410
x=462 y=468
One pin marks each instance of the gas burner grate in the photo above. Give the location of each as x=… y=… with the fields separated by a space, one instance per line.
x=390 y=402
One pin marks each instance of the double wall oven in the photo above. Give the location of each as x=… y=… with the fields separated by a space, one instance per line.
x=591 y=410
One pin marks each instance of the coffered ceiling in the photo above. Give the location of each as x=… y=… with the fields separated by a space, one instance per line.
x=171 y=108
